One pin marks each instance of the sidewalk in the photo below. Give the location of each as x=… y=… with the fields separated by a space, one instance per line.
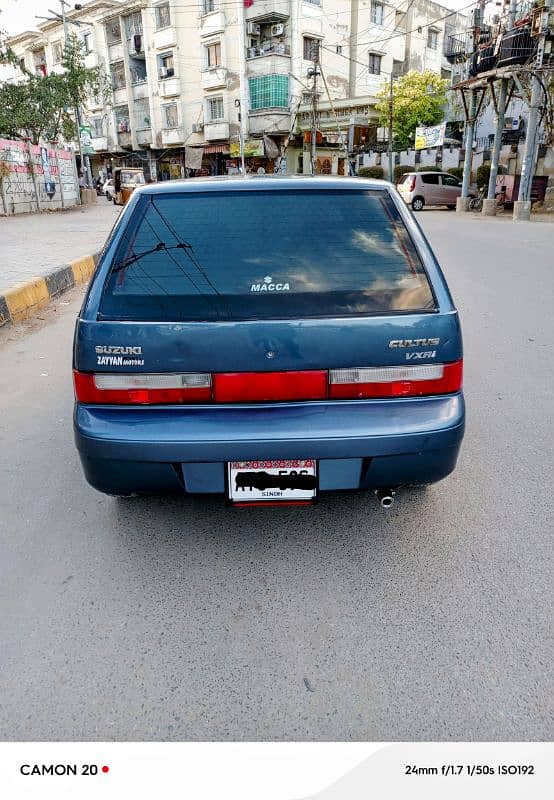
x=33 y=245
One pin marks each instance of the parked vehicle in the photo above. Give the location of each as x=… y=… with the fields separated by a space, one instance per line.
x=108 y=189
x=125 y=181
x=420 y=189
x=267 y=338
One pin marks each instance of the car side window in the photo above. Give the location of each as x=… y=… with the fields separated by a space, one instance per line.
x=431 y=178
x=450 y=180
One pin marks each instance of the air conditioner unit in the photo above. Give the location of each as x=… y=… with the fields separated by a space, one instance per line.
x=251 y=52
x=252 y=29
x=278 y=29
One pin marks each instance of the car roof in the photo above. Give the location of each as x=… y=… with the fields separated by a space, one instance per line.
x=249 y=182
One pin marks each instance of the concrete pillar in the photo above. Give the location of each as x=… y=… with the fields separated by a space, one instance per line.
x=463 y=201
x=522 y=210
x=489 y=205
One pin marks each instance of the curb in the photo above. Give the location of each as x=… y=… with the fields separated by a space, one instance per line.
x=26 y=299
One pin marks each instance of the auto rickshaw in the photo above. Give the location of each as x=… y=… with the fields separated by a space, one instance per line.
x=125 y=181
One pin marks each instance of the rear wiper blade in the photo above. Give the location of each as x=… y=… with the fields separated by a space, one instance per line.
x=137 y=256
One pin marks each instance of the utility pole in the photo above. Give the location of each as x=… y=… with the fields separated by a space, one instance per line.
x=243 y=102
x=390 y=128
x=522 y=207
x=489 y=205
x=241 y=138
x=85 y=160
x=462 y=203
x=353 y=48
x=313 y=72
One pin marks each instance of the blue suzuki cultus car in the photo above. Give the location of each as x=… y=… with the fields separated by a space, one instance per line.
x=267 y=339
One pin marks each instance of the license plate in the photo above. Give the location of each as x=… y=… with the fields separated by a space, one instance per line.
x=272 y=481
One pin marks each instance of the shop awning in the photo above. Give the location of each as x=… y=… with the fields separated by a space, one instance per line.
x=216 y=148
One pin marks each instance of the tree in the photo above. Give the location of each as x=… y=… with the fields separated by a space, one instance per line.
x=419 y=98
x=41 y=107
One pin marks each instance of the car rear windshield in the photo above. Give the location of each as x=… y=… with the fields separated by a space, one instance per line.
x=257 y=254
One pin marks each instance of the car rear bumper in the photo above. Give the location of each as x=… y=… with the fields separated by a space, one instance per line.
x=359 y=444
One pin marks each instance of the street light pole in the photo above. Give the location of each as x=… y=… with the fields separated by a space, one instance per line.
x=390 y=128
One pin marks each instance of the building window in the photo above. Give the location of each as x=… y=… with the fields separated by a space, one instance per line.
x=339 y=49
x=21 y=63
x=215 y=109
x=118 y=75
x=170 y=115
x=163 y=16
x=377 y=12
x=400 y=20
x=208 y=6
x=97 y=127
x=432 y=39
x=374 y=64
x=311 y=48
x=313 y=2
x=166 y=68
x=397 y=68
x=86 y=42
x=113 y=32
x=213 y=55
x=57 y=53
x=122 y=124
x=133 y=24
x=141 y=113
x=269 y=91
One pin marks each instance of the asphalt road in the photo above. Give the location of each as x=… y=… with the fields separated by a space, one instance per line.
x=170 y=619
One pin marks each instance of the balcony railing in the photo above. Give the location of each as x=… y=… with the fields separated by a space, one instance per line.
x=274 y=49
x=457 y=48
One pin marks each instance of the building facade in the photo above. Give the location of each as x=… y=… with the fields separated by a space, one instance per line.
x=183 y=74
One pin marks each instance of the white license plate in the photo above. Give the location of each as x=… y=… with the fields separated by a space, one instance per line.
x=251 y=481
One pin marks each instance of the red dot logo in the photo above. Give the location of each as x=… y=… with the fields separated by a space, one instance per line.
x=105 y=769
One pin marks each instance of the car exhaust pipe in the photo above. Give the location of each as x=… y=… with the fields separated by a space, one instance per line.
x=385 y=497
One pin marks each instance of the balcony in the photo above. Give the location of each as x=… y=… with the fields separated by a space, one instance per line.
x=100 y=143
x=172 y=136
x=457 y=48
x=274 y=120
x=140 y=90
x=125 y=140
x=279 y=9
x=214 y=78
x=115 y=52
x=120 y=96
x=136 y=41
x=214 y=131
x=170 y=87
x=212 y=23
x=270 y=63
x=166 y=37
x=144 y=137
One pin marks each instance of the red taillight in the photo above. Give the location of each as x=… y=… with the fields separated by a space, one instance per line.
x=260 y=387
x=412 y=184
x=412 y=381
x=142 y=389
x=251 y=387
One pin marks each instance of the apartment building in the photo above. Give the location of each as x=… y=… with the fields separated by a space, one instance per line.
x=181 y=74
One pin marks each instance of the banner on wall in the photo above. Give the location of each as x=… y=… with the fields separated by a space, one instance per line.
x=430 y=137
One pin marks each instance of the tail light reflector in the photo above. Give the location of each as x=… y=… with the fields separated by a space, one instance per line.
x=143 y=389
x=251 y=387
x=409 y=381
x=412 y=184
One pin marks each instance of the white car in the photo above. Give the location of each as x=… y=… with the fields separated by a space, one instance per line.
x=108 y=189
